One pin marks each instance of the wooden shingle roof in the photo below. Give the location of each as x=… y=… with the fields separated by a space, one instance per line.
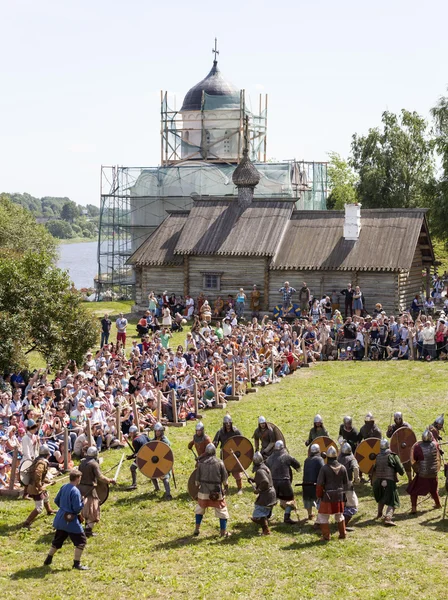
x=314 y=240
x=158 y=249
x=222 y=227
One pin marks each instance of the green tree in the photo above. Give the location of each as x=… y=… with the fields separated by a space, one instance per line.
x=38 y=308
x=19 y=231
x=342 y=182
x=60 y=229
x=395 y=163
x=439 y=220
x=69 y=211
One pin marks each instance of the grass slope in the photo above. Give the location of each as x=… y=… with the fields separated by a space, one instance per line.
x=145 y=545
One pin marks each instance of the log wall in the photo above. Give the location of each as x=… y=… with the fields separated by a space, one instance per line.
x=157 y=279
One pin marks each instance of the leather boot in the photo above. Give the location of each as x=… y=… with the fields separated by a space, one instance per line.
x=287 y=519
x=256 y=520
x=48 y=560
x=265 y=527
x=341 y=528
x=77 y=565
x=33 y=514
x=325 y=529
x=347 y=521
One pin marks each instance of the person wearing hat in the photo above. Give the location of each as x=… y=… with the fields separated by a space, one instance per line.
x=280 y=463
x=370 y=429
x=90 y=476
x=67 y=521
x=200 y=440
x=387 y=466
x=137 y=440
x=311 y=470
x=38 y=482
x=30 y=446
x=266 y=496
x=331 y=485
x=264 y=435
x=159 y=436
x=227 y=431
x=211 y=479
x=318 y=430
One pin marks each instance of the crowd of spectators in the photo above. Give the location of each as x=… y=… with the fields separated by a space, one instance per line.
x=38 y=407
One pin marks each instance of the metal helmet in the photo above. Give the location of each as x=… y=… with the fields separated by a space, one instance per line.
x=427 y=436
x=315 y=449
x=92 y=451
x=227 y=419
x=159 y=427
x=258 y=458
x=210 y=449
x=384 y=444
x=440 y=421
x=346 y=448
x=133 y=429
x=398 y=416
x=332 y=452
x=279 y=445
x=261 y=420
x=199 y=426
x=318 y=419
x=369 y=417
x=44 y=450
x=348 y=420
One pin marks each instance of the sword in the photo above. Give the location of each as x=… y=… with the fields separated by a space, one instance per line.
x=243 y=469
x=305 y=483
x=117 y=472
x=131 y=447
x=196 y=457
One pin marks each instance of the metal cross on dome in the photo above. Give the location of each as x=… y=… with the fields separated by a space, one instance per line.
x=215 y=49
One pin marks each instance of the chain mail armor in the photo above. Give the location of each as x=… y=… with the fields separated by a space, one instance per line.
x=211 y=475
x=383 y=469
x=265 y=488
x=280 y=463
x=429 y=466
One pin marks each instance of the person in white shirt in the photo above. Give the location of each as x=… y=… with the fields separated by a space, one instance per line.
x=226 y=327
x=429 y=341
x=121 y=324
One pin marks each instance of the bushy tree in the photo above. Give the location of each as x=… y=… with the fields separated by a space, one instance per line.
x=60 y=229
x=342 y=182
x=69 y=211
x=395 y=163
x=38 y=308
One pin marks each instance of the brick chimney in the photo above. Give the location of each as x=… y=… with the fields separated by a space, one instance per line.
x=352 y=222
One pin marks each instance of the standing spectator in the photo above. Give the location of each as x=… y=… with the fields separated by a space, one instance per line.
x=304 y=298
x=357 y=301
x=166 y=317
x=240 y=303
x=121 y=324
x=106 y=324
x=255 y=302
x=429 y=342
x=287 y=292
x=348 y=295
x=152 y=303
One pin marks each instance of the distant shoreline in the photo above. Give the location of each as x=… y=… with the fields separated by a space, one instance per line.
x=78 y=240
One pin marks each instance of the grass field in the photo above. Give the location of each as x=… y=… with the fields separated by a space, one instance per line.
x=145 y=546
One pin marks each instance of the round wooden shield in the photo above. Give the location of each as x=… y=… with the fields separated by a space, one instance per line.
x=24 y=474
x=439 y=459
x=155 y=459
x=278 y=433
x=192 y=487
x=366 y=454
x=102 y=489
x=243 y=450
x=401 y=443
x=324 y=443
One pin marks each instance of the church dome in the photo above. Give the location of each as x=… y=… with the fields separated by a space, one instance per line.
x=213 y=85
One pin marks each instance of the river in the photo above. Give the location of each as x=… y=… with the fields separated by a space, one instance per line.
x=80 y=261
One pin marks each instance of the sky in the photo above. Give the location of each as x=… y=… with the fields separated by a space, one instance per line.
x=80 y=80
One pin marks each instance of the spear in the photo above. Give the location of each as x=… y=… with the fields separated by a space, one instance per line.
x=243 y=469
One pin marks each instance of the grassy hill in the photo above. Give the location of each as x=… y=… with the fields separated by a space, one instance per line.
x=145 y=546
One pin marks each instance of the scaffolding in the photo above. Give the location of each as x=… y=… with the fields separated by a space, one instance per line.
x=216 y=137
x=135 y=200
